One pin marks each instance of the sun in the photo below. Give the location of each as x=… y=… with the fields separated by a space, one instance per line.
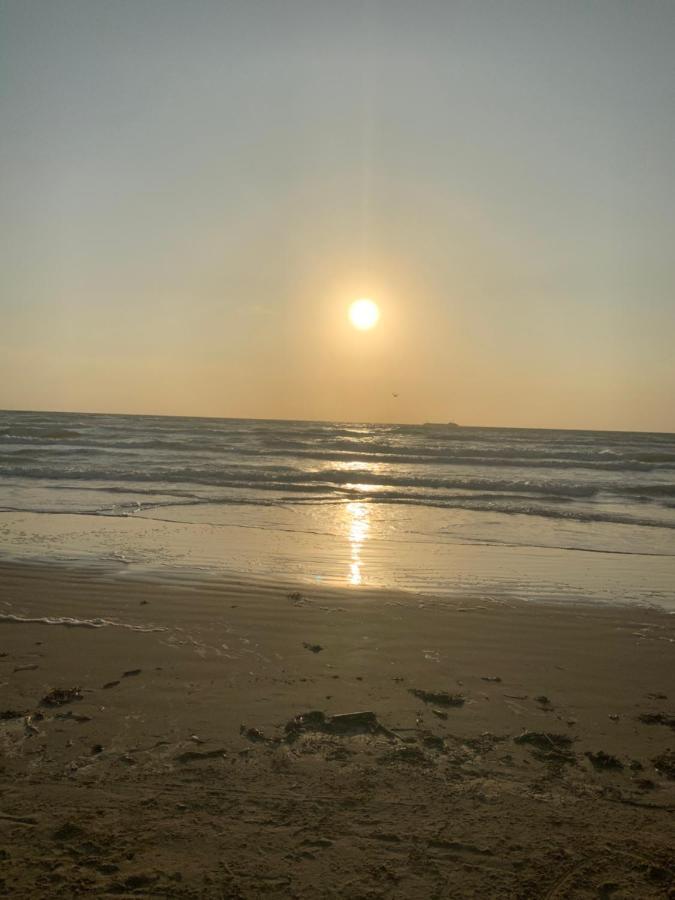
x=364 y=314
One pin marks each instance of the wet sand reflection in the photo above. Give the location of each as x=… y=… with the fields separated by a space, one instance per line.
x=359 y=526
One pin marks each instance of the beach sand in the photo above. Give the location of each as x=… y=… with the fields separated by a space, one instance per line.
x=183 y=765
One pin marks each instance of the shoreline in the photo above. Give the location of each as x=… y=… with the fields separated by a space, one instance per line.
x=514 y=750
x=208 y=581
x=349 y=553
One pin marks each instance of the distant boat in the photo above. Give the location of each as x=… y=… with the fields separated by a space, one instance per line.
x=441 y=425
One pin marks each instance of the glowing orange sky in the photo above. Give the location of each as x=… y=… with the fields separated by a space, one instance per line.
x=194 y=193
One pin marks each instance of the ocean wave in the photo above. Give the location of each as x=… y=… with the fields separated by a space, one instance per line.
x=547 y=512
x=171 y=481
x=160 y=461
x=176 y=450
x=477 y=459
x=550 y=507
x=267 y=477
x=434 y=450
x=292 y=479
x=48 y=434
x=470 y=453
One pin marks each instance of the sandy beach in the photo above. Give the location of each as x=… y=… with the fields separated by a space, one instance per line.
x=224 y=739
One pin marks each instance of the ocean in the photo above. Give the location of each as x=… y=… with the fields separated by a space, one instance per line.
x=437 y=510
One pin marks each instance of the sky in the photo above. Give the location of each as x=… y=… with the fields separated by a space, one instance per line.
x=192 y=193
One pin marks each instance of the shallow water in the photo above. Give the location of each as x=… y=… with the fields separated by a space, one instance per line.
x=549 y=515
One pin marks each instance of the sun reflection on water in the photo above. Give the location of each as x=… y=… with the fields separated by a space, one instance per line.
x=359 y=527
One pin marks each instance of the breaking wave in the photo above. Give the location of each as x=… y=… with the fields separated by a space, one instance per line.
x=81 y=463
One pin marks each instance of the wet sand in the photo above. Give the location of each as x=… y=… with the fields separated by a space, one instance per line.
x=505 y=749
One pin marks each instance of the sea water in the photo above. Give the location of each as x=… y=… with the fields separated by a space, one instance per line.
x=530 y=513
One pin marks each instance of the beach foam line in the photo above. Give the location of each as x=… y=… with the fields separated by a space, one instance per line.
x=70 y=622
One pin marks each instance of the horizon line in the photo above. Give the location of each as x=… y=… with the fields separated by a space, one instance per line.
x=66 y=412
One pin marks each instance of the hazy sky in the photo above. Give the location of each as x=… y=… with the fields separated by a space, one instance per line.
x=193 y=191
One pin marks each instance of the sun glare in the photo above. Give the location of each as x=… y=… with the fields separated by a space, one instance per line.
x=363 y=314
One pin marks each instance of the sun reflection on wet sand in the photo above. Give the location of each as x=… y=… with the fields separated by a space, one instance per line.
x=358 y=531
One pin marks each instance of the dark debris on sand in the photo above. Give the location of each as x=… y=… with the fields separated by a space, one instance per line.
x=252 y=734
x=60 y=696
x=604 y=761
x=665 y=764
x=192 y=755
x=412 y=756
x=548 y=746
x=440 y=698
x=657 y=719
x=73 y=716
x=365 y=722
x=485 y=742
x=545 y=740
x=68 y=831
x=315 y=721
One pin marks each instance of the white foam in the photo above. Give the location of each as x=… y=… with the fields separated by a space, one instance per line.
x=70 y=622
